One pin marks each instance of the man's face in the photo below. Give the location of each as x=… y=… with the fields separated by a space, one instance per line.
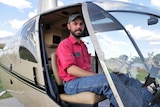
x=76 y=27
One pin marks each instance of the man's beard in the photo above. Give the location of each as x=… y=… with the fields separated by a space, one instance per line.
x=77 y=35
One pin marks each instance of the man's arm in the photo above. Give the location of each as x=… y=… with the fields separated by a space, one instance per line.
x=79 y=72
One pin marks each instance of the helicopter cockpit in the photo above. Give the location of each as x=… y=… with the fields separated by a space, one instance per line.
x=124 y=40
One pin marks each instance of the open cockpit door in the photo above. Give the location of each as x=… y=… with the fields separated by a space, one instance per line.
x=100 y=21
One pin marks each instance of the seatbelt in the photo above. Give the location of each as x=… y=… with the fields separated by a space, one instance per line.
x=96 y=63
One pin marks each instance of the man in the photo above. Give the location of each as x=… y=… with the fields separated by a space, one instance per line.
x=73 y=62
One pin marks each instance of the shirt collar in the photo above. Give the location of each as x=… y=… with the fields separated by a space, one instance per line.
x=73 y=40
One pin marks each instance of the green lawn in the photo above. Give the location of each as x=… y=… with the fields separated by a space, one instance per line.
x=6 y=95
x=141 y=75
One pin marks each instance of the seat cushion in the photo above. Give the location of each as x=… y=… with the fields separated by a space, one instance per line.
x=82 y=98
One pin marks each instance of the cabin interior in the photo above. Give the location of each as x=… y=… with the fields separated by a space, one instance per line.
x=55 y=30
x=55 y=27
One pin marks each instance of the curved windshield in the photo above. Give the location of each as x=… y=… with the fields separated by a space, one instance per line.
x=126 y=42
x=130 y=45
x=145 y=32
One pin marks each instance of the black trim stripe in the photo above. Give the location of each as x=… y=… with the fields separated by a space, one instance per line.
x=24 y=80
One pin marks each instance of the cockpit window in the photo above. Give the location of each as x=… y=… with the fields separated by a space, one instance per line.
x=102 y=21
x=145 y=32
x=129 y=45
x=27 y=48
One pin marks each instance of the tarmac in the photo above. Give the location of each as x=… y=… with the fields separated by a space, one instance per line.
x=13 y=102
x=10 y=102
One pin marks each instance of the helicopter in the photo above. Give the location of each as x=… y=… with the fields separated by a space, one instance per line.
x=121 y=37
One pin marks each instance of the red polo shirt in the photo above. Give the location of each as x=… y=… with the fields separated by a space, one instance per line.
x=70 y=52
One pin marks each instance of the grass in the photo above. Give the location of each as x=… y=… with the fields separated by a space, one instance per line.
x=6 y=95
x=141 y=75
